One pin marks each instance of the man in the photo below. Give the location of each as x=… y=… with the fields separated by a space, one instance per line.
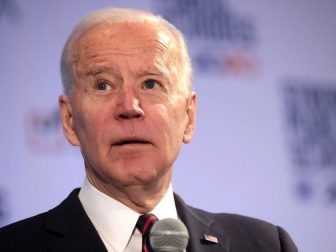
x=128 y=105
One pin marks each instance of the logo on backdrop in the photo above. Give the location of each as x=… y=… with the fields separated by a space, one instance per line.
x=311 y=119
x=11 y=10
x=43 y=132
x=220 y=40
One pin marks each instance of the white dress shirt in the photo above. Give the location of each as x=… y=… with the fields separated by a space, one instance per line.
x=115 y=222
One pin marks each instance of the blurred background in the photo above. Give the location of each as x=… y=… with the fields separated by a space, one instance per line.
x=265 y=144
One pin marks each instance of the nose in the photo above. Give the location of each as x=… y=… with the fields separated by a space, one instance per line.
x=128 y=105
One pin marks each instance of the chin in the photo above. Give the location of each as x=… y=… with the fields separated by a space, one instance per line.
x=133 y=171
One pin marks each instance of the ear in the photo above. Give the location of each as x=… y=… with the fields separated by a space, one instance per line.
x=67 y=120
x=191 y=114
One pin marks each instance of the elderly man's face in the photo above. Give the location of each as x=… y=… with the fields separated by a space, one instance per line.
x=130 y=112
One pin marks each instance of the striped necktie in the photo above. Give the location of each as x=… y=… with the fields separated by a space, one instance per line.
x=144 y=224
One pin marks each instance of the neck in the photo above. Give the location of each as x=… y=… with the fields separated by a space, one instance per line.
x=142 y=198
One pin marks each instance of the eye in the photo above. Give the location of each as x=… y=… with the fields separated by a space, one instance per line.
x=102 y=86
x=150 y=84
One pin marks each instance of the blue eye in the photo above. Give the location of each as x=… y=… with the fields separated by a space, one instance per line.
x=150 y=84
x=102 y=86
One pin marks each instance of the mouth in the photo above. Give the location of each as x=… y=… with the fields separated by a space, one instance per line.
x=131 y=142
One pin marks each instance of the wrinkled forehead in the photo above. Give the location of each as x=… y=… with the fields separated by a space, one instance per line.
x=124 y=37
x=142 y=47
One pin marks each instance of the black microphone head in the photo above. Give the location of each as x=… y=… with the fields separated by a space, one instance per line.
x=168 y=235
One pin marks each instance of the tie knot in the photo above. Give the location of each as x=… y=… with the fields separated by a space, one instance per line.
x=145 y=223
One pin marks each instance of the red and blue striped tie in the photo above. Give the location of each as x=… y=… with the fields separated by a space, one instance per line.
x=144 y=224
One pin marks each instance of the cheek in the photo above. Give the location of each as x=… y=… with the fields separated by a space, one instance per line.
x=177 y=112
x=169 y=123
x=90 y=124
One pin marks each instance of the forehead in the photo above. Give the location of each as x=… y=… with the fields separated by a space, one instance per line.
x=123 y=39
x=125 y=47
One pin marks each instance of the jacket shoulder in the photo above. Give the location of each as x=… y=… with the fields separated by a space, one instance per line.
x=235 y=222
x=234 y=232
x=24 y=226
x=253 y=231
x=33 y=233
x=23 y=235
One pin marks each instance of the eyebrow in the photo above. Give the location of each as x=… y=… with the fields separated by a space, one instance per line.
x=156 y=71
x=151 y=72
x=96 y=70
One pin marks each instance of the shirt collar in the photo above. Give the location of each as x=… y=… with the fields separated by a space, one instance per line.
x=113 y=220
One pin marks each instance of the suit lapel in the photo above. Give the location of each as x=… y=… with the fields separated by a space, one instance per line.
x=70 y=229
x=199 y=224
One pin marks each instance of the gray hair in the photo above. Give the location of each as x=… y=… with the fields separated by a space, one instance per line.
x=120 y=15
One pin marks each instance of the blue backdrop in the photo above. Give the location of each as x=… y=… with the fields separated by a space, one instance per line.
x=265 y=142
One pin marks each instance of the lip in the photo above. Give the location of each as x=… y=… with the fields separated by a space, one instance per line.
x=131 y=141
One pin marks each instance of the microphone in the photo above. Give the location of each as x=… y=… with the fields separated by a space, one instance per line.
x=168 y=235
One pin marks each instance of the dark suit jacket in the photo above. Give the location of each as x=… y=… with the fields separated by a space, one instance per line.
x=67 y=228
